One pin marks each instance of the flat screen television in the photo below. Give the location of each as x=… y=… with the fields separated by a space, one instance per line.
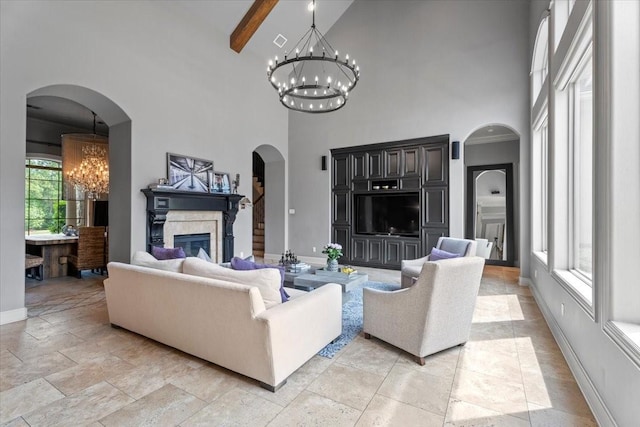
x=390 y=214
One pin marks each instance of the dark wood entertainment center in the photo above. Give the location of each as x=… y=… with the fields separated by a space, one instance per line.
x=414 y=169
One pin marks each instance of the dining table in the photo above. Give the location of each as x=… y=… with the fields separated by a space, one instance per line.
x=54 y=250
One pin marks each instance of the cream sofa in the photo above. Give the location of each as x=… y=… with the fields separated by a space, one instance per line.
x=223 y=322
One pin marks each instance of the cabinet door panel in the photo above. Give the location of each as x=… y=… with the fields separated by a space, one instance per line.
x=375 y=251
x=411 y=161
x=392 y=163
x=411 y=250
x=435 y=208
x=359 y=165
x=435 y=165
x=341 y=175
x=341 y=235
x=359 y=250
x=375 y=164
x=341 y=211
x=393 y=252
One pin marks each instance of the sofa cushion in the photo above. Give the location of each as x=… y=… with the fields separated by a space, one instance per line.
x=167 y=253
x=202 y=254
x=243 y=264
x=438 y=254
x=228 y=263
x=266 y=280
x=145 y=259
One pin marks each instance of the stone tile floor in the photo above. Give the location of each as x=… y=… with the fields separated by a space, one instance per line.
x=66 y=366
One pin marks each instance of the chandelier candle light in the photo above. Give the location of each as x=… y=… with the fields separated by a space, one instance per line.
x=92 y=175
x=313 y=82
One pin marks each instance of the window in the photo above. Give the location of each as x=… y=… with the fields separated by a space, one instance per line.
x=581 y=116
x=543 y=177
x=45 y=211
x=540 y=132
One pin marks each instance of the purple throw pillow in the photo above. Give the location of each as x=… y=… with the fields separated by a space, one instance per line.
x=243 y=264
x=167 y=253
x=438 y=254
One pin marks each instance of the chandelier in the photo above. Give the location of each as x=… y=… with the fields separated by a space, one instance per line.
x=313 y=82
x=92 y=174
x=88 y=172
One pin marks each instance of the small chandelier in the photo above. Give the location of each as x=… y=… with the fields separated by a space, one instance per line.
x=92 y=174
x=313 y=82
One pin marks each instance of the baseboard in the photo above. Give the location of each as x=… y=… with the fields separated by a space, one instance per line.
x=524 y=281
x=594 y=400
x=11 y=316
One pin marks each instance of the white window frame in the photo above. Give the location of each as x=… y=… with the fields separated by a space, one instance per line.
x=574 y=49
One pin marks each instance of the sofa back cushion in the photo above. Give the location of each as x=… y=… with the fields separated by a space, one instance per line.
x=266 y=280
x=145 y=259
x=167 y=253
x=244 y=264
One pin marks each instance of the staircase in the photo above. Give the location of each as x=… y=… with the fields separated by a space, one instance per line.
x=258 y=218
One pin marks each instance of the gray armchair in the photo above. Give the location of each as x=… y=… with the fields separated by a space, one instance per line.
x=432 y=315
x=410 y=269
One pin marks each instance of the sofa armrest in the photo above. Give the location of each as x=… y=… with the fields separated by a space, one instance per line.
x=413 y=262
x=301 y=327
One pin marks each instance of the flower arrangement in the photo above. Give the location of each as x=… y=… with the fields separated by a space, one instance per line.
x=333 y=250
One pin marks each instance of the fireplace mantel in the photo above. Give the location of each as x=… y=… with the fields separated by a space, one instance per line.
x=159 y=202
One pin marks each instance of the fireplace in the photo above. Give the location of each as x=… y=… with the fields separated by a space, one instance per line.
x=178 y=213
x=192 y=243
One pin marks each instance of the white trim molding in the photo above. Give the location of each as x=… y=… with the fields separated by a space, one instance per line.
x=594 y=400
x=11 y=316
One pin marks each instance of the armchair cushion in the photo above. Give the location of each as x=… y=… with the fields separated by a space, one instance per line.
x=438 y=254
x=456 y=246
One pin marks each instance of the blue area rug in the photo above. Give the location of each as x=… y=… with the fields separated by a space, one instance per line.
x=352 y=316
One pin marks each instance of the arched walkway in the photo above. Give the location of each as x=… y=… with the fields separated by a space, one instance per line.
x=275 y=199
x=119 y=160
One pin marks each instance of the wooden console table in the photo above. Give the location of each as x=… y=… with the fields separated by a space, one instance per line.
x=53 y=248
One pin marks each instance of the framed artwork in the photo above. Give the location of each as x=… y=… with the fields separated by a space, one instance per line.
x=221 y=183
x=189 y=173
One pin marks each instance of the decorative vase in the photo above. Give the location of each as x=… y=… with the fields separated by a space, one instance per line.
x=332 y=265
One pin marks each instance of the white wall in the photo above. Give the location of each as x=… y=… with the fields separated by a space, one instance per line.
x=428 y=68
x=182 y=87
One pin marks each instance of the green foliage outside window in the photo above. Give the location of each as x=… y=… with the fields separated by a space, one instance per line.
x=45 y=211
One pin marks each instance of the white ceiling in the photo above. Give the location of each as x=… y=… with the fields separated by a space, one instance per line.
x=291 y=18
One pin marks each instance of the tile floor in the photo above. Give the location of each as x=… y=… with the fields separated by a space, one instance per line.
x=66 y=366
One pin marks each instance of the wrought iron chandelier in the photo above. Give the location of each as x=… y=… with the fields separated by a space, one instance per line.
x=313 y=82
x=92 y=174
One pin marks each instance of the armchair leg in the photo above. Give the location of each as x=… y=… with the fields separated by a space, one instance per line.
x=367 y=336
x=419 y=360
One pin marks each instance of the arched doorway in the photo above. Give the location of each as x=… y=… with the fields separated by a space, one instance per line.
x=273 y=231
x=119 y=125
x=491 y=157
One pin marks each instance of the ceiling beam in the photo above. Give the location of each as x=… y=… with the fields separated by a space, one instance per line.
x=250 y=23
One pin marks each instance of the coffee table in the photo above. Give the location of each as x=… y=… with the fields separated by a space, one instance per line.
x=321 y=277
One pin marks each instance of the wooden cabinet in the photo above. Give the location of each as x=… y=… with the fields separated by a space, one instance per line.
x=392 y=163
x=375 y=164
x=341 y=177
x=359 y=165
x=411 y=162
x=418 y=166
